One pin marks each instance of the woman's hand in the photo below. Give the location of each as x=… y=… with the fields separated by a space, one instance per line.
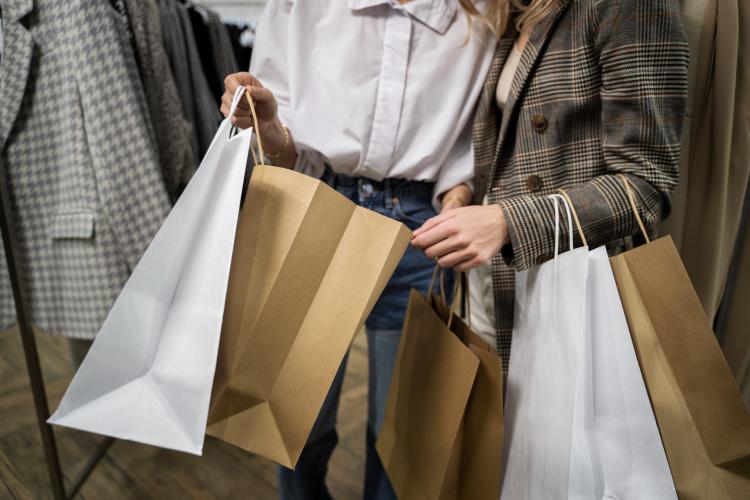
x=463 y=238
x=265 y=102
x=276 y=139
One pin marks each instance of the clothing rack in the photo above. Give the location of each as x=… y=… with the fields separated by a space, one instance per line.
x=51 y=454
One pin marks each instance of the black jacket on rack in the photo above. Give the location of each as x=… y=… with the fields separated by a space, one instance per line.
x=199 y=103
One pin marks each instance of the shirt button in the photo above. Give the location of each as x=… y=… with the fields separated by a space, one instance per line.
x=534 y=183
x=539 y=123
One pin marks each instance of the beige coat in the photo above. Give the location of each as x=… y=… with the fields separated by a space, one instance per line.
x=715 y=160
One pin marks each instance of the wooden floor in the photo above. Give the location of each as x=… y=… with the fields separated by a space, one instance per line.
x=134 y=471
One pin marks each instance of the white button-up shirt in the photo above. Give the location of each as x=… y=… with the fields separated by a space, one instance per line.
x=375 y=88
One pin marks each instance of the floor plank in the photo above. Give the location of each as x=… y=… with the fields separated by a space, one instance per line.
x=139 y=472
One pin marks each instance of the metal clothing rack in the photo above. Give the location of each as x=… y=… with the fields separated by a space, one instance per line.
x=51 y=455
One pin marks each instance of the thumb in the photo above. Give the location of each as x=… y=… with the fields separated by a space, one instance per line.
x=261 y=95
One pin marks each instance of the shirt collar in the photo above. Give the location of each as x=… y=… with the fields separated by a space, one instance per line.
x=437 y=14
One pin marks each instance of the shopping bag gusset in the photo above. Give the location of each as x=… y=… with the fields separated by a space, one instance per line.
x=148 y=375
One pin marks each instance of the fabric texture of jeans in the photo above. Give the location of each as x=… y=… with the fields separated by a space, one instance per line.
x=410 y=203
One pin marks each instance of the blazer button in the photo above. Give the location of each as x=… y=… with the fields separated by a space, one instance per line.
x=534 y=183
x=539 y=123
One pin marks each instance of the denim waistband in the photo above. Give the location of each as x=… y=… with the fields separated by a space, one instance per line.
x=389 y=187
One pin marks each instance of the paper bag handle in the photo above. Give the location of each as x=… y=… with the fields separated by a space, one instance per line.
x=239 y=93
x=451 y=306
x=467 y=297
x=631 y=199
x=256 y=127
x=259 y=157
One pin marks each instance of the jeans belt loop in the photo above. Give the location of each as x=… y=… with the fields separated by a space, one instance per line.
x=330 y=177
x=388 y=194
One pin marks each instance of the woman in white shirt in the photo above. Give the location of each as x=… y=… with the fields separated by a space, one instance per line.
x=370 y=95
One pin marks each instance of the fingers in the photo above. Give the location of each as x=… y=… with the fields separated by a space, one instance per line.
x=468 y=265
x=231 y=82
x=243 y=112
x=443 y=248
x=239 y=119
x=242 y=116
x=434 y=221
x=455 y=259
x=435 y=233
x=262 y=95
x=226 y=104
x=256 y=89
x=462 y=260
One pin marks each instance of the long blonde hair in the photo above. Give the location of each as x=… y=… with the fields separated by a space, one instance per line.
x=500 y=12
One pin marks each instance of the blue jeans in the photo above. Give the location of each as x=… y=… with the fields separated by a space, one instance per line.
x=410 y=203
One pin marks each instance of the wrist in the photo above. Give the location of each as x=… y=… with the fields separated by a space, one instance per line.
x=459 y=195
x=454 y=200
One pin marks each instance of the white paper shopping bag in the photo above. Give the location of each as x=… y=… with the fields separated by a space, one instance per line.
x=148 y=375
x=617 y=451
x=542 y=374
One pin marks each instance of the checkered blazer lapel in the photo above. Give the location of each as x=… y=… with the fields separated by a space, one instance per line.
x=486 y=120
x=16 y=66
x=531 y=52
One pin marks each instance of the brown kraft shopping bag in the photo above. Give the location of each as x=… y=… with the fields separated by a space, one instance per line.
x=475 y=466
x=703 y=422
x=307 y=269
x=442 y=432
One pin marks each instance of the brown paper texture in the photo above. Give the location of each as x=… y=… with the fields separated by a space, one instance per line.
x=703 y=422
x=479 y=443
x=442 y=433
x=307 y=269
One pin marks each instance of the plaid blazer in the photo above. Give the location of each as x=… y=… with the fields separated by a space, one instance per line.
x=600 y=90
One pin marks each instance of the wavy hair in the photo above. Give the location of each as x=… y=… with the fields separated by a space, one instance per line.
x=500 y=13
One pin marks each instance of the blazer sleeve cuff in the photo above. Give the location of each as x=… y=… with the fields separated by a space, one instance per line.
x=530 y=221
x=603 y=209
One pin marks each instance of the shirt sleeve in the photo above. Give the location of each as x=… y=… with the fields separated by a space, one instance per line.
x=458 y=167
x=269 y=64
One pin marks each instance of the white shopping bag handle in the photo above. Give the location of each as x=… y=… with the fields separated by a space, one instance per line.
x=557 y=198
x=238 y=93
x=575 y=217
